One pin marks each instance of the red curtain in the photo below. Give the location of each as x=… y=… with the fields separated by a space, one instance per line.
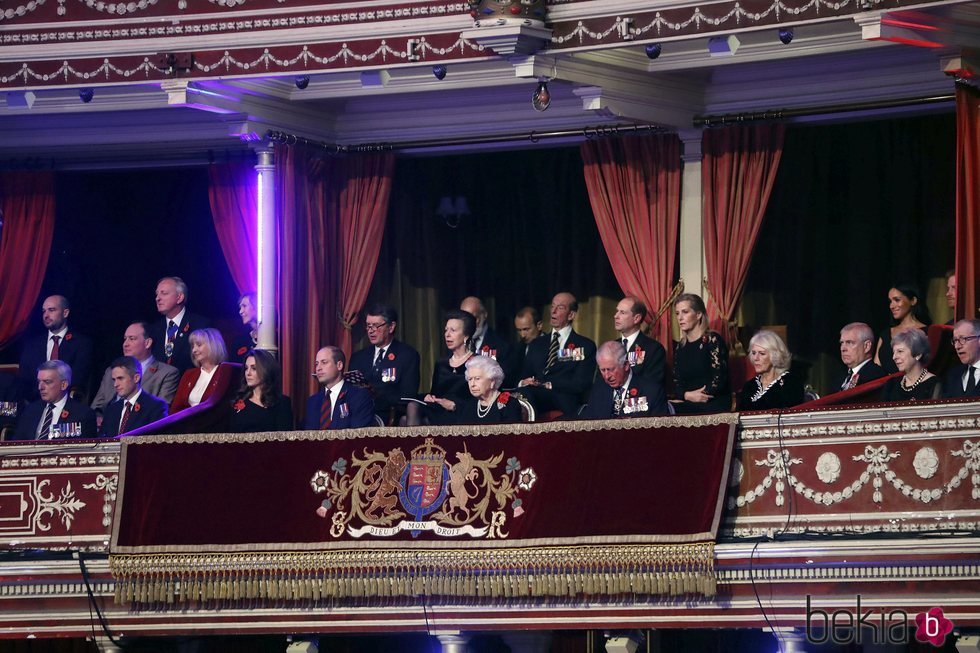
x=634 y=187
x=332 y=213
x=738 y=172
x=27 y=204
x=234 y=204
x=967 y=200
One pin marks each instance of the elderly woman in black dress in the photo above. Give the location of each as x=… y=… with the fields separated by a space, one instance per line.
x=908 y=311
x=260 y=405
x=910 y=354
x=449 y=374
x=774 y=385
x=487 y=405
x=700 y=361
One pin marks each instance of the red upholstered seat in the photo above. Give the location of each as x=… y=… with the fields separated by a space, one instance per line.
x=864 y=393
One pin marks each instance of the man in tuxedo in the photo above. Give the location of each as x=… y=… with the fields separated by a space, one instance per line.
x=856 y=350
x=390 y=367
x=558 y=370
x=170 y=336
x=340 y=405
x=55 y=414
x=646 y=356
x=964 y=379
x=621 y=392
x=487 y=342
x=59 y=342
x=527 y=322
x=156 y=378
x=136 y=408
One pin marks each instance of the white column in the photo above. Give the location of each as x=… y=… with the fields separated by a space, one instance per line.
x=528 y=641
x=691 y=236
x=454 y=642
x=267 y=250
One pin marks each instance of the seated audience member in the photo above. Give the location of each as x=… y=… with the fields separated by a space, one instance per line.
x=775 y=385
x=700 y=361
x=856 y=342
x=55 y=414
x=390 y=366
x=340 y=405
x=951 y=294
x=171 y=335
x=248 y=337
x=59 y=342
x=646 y=356
x=964 y=379
x=136 y=407
x=207 y=351
x=449 y=374
x=621 y=392
x=559 y=369
x=910 y=350
x=487 y=404
x=527 y=322
x=260 y=405
x=908 y=310
x=156 y=378
x=486 y=341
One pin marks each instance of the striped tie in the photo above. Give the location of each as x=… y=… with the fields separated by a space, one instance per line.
x=552 y=353
x=45 y=431
x=125 y=417
x=326 y=408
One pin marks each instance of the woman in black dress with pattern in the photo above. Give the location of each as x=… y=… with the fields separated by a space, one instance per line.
x=449 y=374
x=910 y=353
x=774 y=386
x=908 y=310
x=700 y=361
x=260 y=405
x=487 y=404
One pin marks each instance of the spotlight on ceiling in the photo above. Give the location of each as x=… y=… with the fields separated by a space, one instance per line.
x=440 y=72
x=653 y=50
x=541 y=99
x=723 y=46
x=786 y=35
x=86 y=94
x=302 y=82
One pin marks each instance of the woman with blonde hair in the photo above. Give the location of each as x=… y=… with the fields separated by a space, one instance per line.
x=774 y=385
x=700 y=361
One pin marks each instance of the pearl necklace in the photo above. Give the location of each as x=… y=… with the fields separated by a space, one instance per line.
x=919 y=380
x=482 y=412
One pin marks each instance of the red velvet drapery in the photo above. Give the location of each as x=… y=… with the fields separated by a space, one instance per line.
x=332 y=214
x=634 y=187
x=738 y=172
x=234 y=203
x=967 y=200
x=27 y=203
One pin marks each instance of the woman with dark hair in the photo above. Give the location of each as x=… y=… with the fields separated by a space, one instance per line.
x=449 y=374
x=260 y=405
x=910 y=354
x=700 y=361
x=909 y=311
x=487 y=404
x=248 y=338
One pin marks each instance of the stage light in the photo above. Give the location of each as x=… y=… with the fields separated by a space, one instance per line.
x=440 y=72
x=786 y=35
x=541 y=99
x=86 y=94
x=653 y=50
x=723 y=46
x=302 y=82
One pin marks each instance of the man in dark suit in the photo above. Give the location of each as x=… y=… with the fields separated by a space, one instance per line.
x=171 y=343
x=136 y=408
x=158 y=379
x=391 y=367
x=559 y=369
x=856 y=350
x=621 y=392
x=340 y=405
x=646 y=356
x=487 y=342
x=951 y=294
x=527 y=322
x=58 y=343
x=964 y=379
x=55 y=414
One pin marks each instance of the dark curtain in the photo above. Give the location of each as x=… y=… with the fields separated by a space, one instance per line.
x=233 y=193
x=530 y=234
x=855 y=209
x=967 y=201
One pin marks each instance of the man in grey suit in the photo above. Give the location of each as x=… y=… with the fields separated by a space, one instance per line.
x=158 y=379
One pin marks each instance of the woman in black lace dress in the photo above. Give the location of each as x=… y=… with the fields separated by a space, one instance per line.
x=910 y=353
x=700 y=361
x=774 y=386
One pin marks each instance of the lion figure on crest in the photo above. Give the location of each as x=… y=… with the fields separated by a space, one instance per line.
x=383 y=483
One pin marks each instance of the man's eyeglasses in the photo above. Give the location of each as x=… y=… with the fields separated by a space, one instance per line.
x=963 y=340
x=375 y=327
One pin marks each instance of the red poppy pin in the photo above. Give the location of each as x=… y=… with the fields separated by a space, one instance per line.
x=154 y=369
x=391 y=357
x=242 y=350
x=67 y=336
x=704 y=339
x=137 y=408
x=570 y=345
x=187 y=327
x=638 y=350
x=239 y=406
x=503 y=398
x=485 y=348
x=64 y=414
x=632 y=392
